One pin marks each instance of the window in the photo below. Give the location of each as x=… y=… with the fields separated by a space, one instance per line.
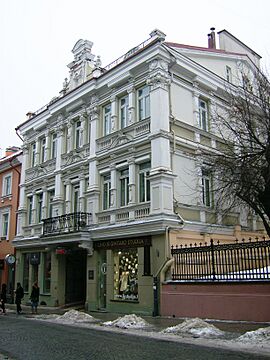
x=144 y=183
x=203 y=114
x=78 y=140
x=206 y=188
x=124 y=111
x=42 y=150
x=50 y=203
x=107 y=119
x=39 y=207
x=106 y=192
x=76 y=198
x=228 y=74
x=124 y=189
x=33 y=154
x=47 y=273
x=54 y=146
x=143 y=103
x=7 y=181
x=5 y=223
x=126 y=274
x=26 y=263
x=30 y=210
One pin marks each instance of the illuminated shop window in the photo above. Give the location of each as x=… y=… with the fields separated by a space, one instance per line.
x=126 y=275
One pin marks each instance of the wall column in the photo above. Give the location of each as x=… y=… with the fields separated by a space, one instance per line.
x=161 y=177
x=93 y=191
x=113 y=113
x=21 y=221
x=68 y=196
x=82 y=190
x=131 y=104
x=58 y=195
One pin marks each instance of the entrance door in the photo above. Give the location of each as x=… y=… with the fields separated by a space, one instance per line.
x=76 y=277
x=102 y=280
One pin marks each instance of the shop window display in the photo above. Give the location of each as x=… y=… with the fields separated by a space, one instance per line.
x=126 y=275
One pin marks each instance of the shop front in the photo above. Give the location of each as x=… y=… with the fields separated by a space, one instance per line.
x=60 y=272
x=123 y=281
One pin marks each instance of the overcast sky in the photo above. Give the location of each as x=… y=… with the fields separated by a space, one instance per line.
x=37 y=37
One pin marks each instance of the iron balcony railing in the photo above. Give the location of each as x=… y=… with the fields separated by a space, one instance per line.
x=67 y=223
x=239 y=261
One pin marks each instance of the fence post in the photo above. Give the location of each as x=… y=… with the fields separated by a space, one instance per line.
x=155 y=289
x=213 y=259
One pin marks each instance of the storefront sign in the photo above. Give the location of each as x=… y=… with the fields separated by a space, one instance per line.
x=60 y=251
x=103 y=268
x=123 y=243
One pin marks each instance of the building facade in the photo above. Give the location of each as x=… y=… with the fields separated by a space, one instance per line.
x=10 y=171
x=110 y=178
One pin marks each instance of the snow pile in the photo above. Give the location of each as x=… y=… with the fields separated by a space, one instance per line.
x=69 y=317
x=46 y=317
x=128 y=322
x=260 y=335
x=195 y=327
x=74 y=316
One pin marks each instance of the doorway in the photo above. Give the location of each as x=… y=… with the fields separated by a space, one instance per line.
x=76 y=276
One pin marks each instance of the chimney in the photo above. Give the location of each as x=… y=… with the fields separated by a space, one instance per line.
x=212 y=39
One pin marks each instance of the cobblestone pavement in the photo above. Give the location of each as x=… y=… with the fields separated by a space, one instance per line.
x=25 y=339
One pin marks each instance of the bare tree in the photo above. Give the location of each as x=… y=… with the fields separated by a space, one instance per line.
x=241 y=167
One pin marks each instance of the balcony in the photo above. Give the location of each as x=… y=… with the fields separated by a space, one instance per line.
x=123 y=136
x=67 y=223
x=130 y=213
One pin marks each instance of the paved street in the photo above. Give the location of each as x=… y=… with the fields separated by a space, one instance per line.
x=21 y=338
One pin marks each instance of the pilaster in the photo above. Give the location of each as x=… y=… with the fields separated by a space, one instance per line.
x=161 y=187
x=131 y=103
x=132 y=181
x=113 y=113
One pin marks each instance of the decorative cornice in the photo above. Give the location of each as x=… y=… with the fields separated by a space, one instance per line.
x=158 y=74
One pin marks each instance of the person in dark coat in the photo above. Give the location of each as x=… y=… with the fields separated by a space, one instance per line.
x=19 y=294
x=34 y=297
x=3 y=297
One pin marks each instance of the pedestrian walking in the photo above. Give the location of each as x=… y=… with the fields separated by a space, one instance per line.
x=3 y=297
x=34 y=297
x=19 y=294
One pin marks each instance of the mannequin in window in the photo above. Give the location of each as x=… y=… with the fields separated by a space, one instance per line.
x=124 y=280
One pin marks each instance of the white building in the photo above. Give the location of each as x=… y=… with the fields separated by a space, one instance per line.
x=109 y=177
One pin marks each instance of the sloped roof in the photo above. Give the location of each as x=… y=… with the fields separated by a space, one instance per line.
x=199 y=48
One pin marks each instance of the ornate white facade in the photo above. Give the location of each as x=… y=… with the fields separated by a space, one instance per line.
x=111 y=163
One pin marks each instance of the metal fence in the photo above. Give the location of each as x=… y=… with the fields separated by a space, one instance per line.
x=239 y=261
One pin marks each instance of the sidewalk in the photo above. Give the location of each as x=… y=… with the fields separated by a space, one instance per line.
x=239 y=327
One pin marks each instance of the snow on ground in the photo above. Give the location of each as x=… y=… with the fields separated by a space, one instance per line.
x=69 y=317
x=128 y=322
x=257 y=336
x=195 y=327
x=46 y=317
x=74 y=316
